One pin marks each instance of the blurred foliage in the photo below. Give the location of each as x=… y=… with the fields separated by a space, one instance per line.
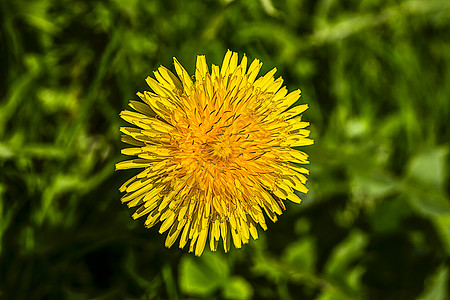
x=376 y=223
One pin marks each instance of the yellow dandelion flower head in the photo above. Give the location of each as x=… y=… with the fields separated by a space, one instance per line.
x=216 y=151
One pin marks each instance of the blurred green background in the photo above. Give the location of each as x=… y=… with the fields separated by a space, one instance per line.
x=376 y=74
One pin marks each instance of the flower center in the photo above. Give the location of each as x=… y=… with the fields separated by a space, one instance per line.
x=221 y=148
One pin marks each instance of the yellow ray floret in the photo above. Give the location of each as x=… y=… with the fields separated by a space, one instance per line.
x=215 y=151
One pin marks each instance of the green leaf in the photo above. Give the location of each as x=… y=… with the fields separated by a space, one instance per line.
x=5 y=151
x=442 y=224
x=425 y=182
x=389 y=214
x=331 y=294
x=203 y=275
x=237 y=288
x=369 y=187
x=301 y=254
x=436 y=285
x=169 y=281
x=345 y=253
x=429 y=167
x=302 y=226
x=431 y=204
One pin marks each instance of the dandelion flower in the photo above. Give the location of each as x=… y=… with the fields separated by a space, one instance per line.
x=216 y=151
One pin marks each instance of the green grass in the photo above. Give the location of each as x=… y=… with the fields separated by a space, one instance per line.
x=376 y=222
